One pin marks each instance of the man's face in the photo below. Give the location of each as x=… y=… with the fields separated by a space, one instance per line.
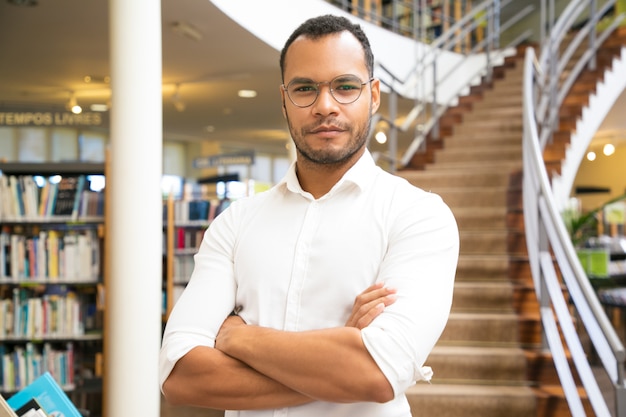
x=328 y=132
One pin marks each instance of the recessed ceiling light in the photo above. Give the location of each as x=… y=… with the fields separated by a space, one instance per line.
x=608 y=149
x=246 y=93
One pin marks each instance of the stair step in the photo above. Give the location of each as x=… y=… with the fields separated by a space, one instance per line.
x=505 y=111
x=497 y=329
x=489 y=268
x=459 y=141
x=474 y=197
x=485 y=154
x=482 y=218
x=447 y=400
x=434 y=180
x=469 y=364
x=484 y=242
x=509 y=101
x=551 y=401
x=495 y=297
x=504 y=96
x=485 y=135
x=503 y=89
x=501 y=166
x=500 y=125
x=513 y=77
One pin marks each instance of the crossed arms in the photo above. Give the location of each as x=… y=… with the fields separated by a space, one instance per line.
x=253 y=367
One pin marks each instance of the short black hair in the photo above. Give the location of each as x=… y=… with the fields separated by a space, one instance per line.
x=318 y=27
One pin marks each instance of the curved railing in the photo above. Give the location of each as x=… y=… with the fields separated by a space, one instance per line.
x=548 y=79
x=475 y=34
x=545 y=87
x=486 y=15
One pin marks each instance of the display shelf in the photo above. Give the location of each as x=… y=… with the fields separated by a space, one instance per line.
x=51 y=273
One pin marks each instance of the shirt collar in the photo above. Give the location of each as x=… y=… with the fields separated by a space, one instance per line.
x=360 y=174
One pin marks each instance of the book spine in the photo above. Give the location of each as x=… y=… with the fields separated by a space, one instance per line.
x=78 y=194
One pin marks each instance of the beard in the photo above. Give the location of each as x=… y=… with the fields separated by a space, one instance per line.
x=327 y=155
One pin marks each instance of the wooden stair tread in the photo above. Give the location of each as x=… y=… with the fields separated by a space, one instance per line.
x=495 y=307
x=451 y=400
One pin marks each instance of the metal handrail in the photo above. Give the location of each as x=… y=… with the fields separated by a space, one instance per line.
x=429 y=63
x=546 y=235
x=429 y=107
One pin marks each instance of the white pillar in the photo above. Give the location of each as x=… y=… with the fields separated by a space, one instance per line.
x=134 y=212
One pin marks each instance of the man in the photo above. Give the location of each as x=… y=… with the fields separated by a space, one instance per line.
x=325 y=294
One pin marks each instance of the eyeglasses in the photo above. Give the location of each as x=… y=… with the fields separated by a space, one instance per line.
x=345 y=89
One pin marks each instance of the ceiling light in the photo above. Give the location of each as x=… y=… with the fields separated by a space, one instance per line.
x=381 y=137
x=591 y=156
x=187 y=30
x=72 y=105
x=179 y=104
x=608 y=149
x=246 y=93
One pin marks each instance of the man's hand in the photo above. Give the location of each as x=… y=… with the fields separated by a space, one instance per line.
x=369 y=304
x=222 y=336
x=334 y=357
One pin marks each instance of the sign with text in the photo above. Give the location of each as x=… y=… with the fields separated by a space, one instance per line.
x=50 y=119
x=212 y=161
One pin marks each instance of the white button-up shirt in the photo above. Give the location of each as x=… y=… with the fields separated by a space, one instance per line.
x=292 y=262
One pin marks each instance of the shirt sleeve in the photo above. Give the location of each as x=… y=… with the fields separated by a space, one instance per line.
x=206 y=301
x=421 y=264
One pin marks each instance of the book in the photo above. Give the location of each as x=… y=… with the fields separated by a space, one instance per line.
x=66 y=196
x=5 y=408
x=6 y=198
x=16 y=192
x=31 y=409
x=199 y=209
x=52 y=199
x=48 y=394
x=78 y=196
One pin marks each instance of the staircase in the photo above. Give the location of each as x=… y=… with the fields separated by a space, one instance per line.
x=578 y=98
x=480 y=363
x=489 y=362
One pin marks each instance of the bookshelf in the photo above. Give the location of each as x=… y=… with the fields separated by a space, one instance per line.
x=185 y=221
x=51 y=275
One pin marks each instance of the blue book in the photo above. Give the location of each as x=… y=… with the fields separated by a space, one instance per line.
x=48 y=394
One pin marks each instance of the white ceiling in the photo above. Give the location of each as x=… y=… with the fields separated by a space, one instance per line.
x=47 y=50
